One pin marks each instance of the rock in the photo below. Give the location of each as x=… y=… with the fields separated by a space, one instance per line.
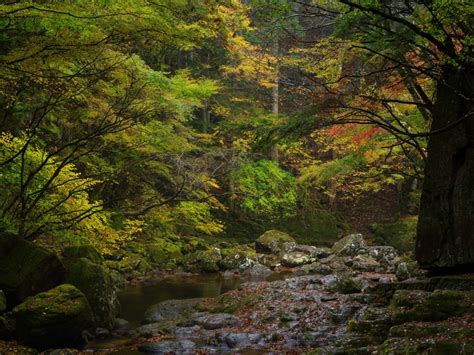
x=365 y=263
x=83 y=251
x=169 y=347
x=215 y=320
x=408 y=298
x=383 y=252
x=7 y=327
x=237 y=258
x=26 y=269
x=350 y=245
x=347 y=285
x=239 y=340
x=273 y=241
x=95 y=281
x=257 y=271
x=437 y=306
x=3 y=302
x=170 y=310
x=316 y=268
x=312 y=251
x=402 y=272
x=54 y=318
x=155 y=329
x=102 y=333
x=121 y=323
x=293 y=259
x=207 y=261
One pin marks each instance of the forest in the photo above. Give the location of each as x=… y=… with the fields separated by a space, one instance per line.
x=236 y=176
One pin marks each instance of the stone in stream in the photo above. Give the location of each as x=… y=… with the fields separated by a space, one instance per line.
x=170 y=310
x=165 y=327
x=169 y=347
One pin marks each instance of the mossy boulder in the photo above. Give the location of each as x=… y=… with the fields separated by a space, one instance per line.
x=83 y=251
x=55 y=318
x=273 y=241
x=237 y=257
x=3 y=302
x=207 y=261
x=347 y=285
x=163 y=253
x=95 y=281
x=26 y=269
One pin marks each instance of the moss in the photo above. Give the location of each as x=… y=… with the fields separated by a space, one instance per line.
x=272 y=241
x=54 y=318
x=400 y=234
x=228 y=303
x=236 y=256
x=83 y=251
x=165 y=254
x=408 y=298
x=347 y=286
x=207 y=261
x=95 y=281
x=439 y=305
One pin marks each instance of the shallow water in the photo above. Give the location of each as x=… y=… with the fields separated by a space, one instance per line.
x=136 y=298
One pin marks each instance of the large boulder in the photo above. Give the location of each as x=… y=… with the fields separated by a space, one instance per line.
x=26 y=269
x=95 y=281
x=55 y=318
x=274 y=241
x=350 y=245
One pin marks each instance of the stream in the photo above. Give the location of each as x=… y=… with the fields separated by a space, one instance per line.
x=136 y=298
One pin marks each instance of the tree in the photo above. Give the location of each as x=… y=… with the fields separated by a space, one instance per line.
x=426 y=47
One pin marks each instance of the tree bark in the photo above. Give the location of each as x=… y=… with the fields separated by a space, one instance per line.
x=445 y=236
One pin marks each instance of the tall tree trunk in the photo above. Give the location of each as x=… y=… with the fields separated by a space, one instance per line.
x=274 y=154
x=445 y=236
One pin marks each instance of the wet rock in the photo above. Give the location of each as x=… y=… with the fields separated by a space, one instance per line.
x=215 y=320
x=169 y=347
x=170 y=310
x=273 y=241
x=26 y=269
x=257 y=271
x=350 y=245
x=155 y=329
x=121 y=323
x=296 y=259
x=402 y=272
x=54 y=318
x=240 y=340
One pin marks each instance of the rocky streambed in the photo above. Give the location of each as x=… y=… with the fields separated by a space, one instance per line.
x=352 y=298
x=282 y=298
